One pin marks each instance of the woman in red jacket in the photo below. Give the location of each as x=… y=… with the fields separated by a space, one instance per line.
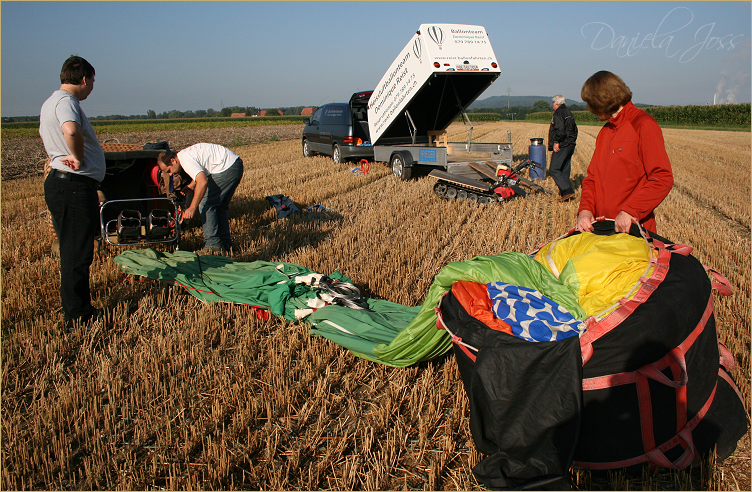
x=629 y=174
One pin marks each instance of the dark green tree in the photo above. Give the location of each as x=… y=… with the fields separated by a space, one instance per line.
x=541 y=105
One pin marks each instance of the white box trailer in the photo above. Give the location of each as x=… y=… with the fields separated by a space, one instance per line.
x=441 y=71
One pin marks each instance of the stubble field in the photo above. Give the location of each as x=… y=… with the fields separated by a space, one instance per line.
x=169 y=393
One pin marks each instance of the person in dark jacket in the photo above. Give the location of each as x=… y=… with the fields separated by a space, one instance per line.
x=562 y=138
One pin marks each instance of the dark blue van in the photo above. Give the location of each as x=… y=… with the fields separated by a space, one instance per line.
x=340 y=130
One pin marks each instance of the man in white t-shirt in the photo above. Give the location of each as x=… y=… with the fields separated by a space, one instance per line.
x=216 y=172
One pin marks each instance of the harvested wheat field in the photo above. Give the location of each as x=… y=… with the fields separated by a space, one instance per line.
x=170 y=393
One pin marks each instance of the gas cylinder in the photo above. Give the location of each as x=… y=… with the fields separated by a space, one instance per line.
x=537 y=154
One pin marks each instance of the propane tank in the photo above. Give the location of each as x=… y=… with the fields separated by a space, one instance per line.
x=537 y=154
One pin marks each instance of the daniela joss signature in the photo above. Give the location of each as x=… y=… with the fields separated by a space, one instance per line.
x=604 y=37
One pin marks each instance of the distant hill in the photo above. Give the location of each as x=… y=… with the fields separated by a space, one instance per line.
x=521 y=101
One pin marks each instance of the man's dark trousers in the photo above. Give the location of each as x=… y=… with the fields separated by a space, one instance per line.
x=74 y=208
x=560 y=169
x=213 y=208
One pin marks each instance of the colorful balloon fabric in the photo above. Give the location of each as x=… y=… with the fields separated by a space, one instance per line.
x=532 y=316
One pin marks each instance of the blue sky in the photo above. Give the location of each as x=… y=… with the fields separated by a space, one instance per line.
x=200 y=55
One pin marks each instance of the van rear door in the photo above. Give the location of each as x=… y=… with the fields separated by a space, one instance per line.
x=359 y=108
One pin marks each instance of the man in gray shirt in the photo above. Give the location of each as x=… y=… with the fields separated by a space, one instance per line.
x=70 y=190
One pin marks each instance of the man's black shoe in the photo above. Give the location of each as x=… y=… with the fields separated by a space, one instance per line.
x=94 y=315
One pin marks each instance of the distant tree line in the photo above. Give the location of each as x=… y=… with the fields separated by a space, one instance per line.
x=520 y=112
x=722 y=114
x=514 y=112
x=165 y=115
x=540 y=110
x=18 y=119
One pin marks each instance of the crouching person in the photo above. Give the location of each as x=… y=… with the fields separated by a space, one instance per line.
x=216 y=172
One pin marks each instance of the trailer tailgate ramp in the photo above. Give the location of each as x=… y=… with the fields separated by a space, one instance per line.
x=441 y=71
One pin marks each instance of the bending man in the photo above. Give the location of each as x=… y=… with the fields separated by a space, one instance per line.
x=216 y=172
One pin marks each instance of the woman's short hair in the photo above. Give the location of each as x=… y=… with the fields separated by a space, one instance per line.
x=604 y=92
x=74 y=69
x=558 y=99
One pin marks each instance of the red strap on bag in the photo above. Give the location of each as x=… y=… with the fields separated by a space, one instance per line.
x=596 y=329
x=726 y=358
x=722 y=285
x=440 y=325
x=657 y=455
x=653 y=371
x=675 y=360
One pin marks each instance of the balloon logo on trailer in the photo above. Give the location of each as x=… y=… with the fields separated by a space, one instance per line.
x=417 y=49
x=435 y=33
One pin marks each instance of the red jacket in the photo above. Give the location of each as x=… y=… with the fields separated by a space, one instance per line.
x=630 y=170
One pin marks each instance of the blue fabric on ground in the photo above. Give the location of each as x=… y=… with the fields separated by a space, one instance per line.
x=285 y=207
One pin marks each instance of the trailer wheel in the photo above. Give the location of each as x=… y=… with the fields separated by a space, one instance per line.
x=306 y=149
x=399 y=169
x=336 y=154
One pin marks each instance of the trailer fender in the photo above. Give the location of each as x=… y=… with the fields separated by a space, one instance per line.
x=401 y=162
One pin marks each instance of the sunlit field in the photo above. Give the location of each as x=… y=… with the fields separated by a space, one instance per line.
x=170 y=393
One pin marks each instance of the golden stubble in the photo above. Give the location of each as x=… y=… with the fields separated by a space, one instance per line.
x=171 y=393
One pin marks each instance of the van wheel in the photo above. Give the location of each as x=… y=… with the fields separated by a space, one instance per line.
x=306 y=149
x=336 y=154
x=399 y=169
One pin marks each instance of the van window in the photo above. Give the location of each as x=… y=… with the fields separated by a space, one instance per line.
x=334 y=116
x=316 y=118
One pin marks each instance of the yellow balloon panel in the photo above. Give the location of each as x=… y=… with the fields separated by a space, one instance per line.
x=599 y=270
